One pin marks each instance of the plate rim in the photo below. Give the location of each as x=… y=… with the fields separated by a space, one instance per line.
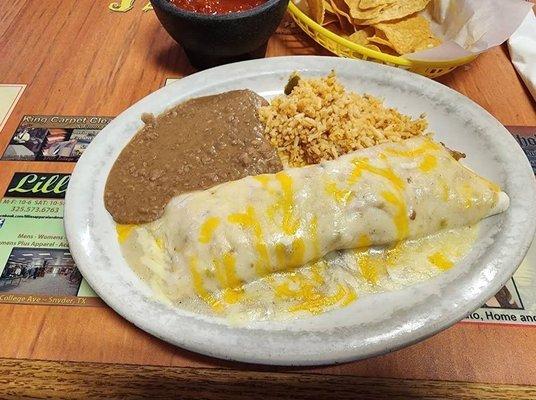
x=70 y=222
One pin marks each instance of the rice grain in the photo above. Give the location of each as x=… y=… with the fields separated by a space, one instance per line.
x=319 y=120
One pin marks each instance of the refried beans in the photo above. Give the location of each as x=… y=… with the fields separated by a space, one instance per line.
x=193 y=146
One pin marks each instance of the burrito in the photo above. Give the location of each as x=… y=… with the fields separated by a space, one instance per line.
x=219 y=239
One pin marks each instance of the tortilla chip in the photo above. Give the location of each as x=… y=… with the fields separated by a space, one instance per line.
x=330 y=18
x=316 y=10
x=408 y=35
x=336 y=28
x=358 y=14
x=386 y=50
x=367 y=4
x=364 y=36
x=341 y=10
x=380 y=38
x=396 y=10
x=373 y=47
x=361 y=36
x=389 y=26
x=333 y=26
x=347 y=26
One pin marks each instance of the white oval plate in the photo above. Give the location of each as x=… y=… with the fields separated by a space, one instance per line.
x=372 y=325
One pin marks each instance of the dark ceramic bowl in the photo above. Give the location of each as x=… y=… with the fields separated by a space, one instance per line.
x=210 y=40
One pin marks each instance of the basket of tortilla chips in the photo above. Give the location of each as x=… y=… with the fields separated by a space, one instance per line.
x=374 y=30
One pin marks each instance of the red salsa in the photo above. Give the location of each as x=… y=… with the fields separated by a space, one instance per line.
x=217 y=6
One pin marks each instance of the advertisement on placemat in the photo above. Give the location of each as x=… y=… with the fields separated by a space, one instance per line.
x=515 y=303
x=36 y=266
x=53 y=137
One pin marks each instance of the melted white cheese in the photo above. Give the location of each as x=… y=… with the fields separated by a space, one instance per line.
x=246 y=247
x=337 y=280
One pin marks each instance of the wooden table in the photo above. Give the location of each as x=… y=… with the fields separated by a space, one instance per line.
x=80 y=58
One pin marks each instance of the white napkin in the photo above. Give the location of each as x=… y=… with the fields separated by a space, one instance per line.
x=522 y=45
x=470 y=27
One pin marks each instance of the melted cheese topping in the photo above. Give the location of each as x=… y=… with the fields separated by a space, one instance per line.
x=428 y=163
x=313 y=232
x=260 y=248
x=326 y=284
x=248 y=220
x=341 y=196
x=440 y=260
x=208 y=228
x=400 y=219
x=368 y=269
x=197 y=281
x=426 y=147
x=362 y=164
x=123 y=231
x=363 y=241
x=290 y=224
